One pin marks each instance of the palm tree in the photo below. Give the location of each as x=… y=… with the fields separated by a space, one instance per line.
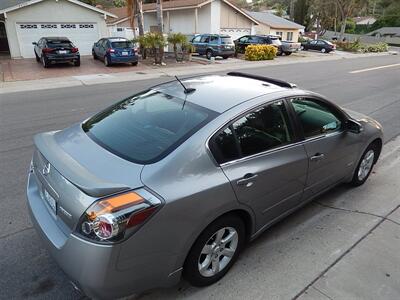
x=135 y=11
x=160 y=21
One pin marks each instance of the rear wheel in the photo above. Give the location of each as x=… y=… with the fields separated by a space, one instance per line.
x=288 y=53
x=94 y=55
x=209 y=54
x=135 y=63
x=107 y=63
x=77 y=62
x=365 y=165
x=37 y=57
x=225 y=57
x=215 y=251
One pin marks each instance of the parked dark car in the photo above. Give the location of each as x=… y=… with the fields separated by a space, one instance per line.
x=244 y=41
x=213 y=45
x=115 y=51
x=53 y=50
x=319 y=45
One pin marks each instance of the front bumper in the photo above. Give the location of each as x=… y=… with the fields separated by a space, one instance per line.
x=94 y=268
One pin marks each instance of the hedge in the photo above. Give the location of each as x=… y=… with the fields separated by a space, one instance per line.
x=260 y=52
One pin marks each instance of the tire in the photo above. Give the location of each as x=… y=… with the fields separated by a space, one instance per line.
x=77 y=63
x=288 y=53
x=94 y=55
x=106 y=62
x=323 y=50
x=37 y=57
x=365 y=165
x=302 y=48
x=226 y=225
x=209 y=54
x=45 y=63
x=135 y=63
x=225 y=57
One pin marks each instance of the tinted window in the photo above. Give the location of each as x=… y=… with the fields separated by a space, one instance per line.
x=258 y=131
x=226 y=40
x=121 y=44
x=146 y=127
x=214 y=40
x=316 y=117
x=58 y=43
x=243 y=39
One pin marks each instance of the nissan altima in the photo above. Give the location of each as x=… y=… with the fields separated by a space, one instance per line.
x=173 y=181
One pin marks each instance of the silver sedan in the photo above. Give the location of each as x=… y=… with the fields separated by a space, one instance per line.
x=176 y=179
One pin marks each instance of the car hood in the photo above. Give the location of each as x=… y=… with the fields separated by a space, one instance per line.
x=87 y=165
x=362 y=118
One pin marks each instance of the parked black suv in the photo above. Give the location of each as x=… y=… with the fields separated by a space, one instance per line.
x=244 y=41
x=52 y=50
x=214 y=45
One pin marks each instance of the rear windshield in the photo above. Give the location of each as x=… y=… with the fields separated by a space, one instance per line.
x=226 y=40
x=122 y=44
x=59 y=44
x=276 y=41
x=146 y=127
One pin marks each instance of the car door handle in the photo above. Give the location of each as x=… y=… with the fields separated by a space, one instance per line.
x=317 y=157
x=247 y=179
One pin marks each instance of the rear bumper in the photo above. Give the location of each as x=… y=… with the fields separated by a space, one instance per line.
x=123 y=59
x=92 y=267
x=62 y=59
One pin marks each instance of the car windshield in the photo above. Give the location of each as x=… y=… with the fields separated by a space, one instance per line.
x=276 y=41
x=121 y=44
x=59 y=44
x=226 y=40
x=146 y=127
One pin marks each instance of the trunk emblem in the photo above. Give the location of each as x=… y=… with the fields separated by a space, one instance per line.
x=46 y=169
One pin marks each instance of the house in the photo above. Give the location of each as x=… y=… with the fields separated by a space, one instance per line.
x=192 y=17
x=364 y=20
x=272 y=24
x=386 y=32
x=25 y=21
x=121 y=26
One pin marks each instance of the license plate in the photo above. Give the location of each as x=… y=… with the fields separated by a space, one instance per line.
x=50 y=200
x=62 y=51
x=124 y=53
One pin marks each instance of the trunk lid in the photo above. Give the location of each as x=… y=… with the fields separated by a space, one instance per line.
x=75 y=171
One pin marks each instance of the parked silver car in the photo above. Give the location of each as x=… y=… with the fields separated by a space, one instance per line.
x=176 y=179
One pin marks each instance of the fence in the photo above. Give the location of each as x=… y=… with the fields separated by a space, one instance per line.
x=367 y=39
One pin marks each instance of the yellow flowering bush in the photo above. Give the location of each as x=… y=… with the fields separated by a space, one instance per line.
x=260 y=52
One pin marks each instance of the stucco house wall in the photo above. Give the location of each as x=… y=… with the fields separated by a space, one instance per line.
x=230 y=18
x=51 y=11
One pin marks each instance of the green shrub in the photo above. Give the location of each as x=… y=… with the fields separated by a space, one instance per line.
x=260 y=52
x=357 y=46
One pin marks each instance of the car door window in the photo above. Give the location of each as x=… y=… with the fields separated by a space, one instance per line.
x=214 y=39
x=258 y=131
x=316 y=117
x=243 y=39
x=196 y=39
x=313 y=42
x=321 y=43
x=205 y=39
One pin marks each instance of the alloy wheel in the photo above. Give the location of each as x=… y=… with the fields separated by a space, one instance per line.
x=366 y=165
x=218 y=251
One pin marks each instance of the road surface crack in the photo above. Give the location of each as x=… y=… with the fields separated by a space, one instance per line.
x=358 y=212
x=382 y=219
x=16 y=232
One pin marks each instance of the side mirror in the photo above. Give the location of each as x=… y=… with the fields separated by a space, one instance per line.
x=353 y=126
x=34 y=43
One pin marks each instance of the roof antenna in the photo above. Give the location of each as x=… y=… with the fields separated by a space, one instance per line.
x=187 y=90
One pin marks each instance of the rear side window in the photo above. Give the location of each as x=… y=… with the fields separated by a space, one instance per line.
x=146 y=127
x=258 y=131
x=59 y=44
x=121 y=44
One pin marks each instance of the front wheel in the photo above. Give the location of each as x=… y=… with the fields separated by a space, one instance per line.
x=323 y=50
x=214 y=251
x=365 y=166
x=135 y=63
x=288 y=53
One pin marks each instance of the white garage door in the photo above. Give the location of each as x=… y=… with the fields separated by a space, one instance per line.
x=83 y=35
x=235 y=33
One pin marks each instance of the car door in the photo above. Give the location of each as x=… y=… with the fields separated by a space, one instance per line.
x=332 y=151
x=202 y=45
x=242 y=44
x=96 y=47
x=313 y=45
x=195 y=42
x=262 y=159
x=37 y=48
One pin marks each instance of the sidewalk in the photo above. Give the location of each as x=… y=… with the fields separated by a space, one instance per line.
x=184 y=70
x=344 y=245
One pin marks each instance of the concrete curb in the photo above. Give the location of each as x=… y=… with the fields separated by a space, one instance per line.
x=93 y=79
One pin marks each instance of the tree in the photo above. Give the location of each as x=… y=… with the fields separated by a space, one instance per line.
x=346 y=9
x=301 y=8
x=119 y=3
x=176 y=39
x=135 y=11
x=160 y=21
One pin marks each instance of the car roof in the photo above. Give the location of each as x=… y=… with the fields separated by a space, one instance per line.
x=219 y=92
x=117 y=39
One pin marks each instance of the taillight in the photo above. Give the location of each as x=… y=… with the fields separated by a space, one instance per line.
x=114 y=218
x=47 y=50
x=110 y=50
x=74 y=50
x=133 y=50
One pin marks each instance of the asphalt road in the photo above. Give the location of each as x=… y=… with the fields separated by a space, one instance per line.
x=26 y=270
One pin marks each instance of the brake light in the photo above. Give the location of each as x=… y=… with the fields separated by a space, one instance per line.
x=74 y=50
x=47 y=50
x=114 y=218
x=110 y=50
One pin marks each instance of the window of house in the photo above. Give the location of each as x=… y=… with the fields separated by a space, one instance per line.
x=280 y=33
x=120 y=29
x=289 y=36
x=316 y=117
